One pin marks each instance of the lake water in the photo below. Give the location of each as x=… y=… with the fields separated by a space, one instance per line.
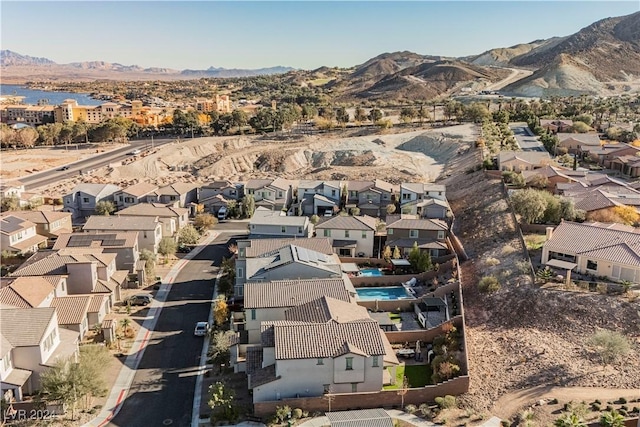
x=55 y=98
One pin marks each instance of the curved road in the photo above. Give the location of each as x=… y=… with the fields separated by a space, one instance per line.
x=47 y=177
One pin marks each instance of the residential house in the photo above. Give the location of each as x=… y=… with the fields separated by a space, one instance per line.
x=275 y=194
x=31 y=343
x=86 y=271
x=19 y=236
x=578 y=142
x=628 y=165
x=410 y=192
x=557 y=125
x=266 y=222
x=123 y=244
x=607 y=152
x=217 y=194
x=429 y=234
x=134 y=194
x=179 y=194
x=323 y=345
x=72 y=312
x=317 y=197
x=518 y=161
x=82 y=200
x=374 y=200
x=267 y=301
x=371 y=197
x=48 y=223
x=149 y=228
x=350 y=235
x=172 y=219
x=31 y=292
x=553 y=175
x=595 y=250
x=255 y=253
x=10 y=189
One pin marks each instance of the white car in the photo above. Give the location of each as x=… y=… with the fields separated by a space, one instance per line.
x=201 y=329
x=134 y=152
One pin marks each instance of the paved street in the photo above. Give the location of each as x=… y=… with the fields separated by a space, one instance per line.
x=163 y=386
x=44 y=178
x=526 y=139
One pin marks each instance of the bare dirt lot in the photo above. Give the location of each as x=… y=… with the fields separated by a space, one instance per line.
x=412 y=156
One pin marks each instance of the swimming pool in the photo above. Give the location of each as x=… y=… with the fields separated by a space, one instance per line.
x=370 y=272
x=385 y=293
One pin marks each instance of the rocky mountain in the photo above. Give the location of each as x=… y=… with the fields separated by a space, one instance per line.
x=502 y=57
x=605 y=56
x=9 y=58
x=19 y=68
x=234 y=72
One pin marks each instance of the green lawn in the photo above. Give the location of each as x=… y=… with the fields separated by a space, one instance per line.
x=417 y=375
x=395 y=318
x=534 y=241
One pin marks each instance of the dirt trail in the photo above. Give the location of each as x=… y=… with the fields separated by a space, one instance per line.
x=511 y=403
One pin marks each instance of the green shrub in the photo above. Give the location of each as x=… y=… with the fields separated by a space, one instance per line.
x=595 y=407
x=488 y=284
x=505 y=423
x=410 y=409
x=297 y=413
x=622 y=400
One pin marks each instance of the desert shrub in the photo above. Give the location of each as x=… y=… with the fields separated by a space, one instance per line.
x=488 y=284
x=297 y=413
x=492 y=262
x=505 y=423
x=610 y=345
x=508 y=250
x=410 y=409
x=446 y=402
x=622 y=400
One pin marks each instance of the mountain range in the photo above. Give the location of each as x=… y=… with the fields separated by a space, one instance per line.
x=600 y=59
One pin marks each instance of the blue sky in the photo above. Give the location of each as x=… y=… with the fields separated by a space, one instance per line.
x=301 y=34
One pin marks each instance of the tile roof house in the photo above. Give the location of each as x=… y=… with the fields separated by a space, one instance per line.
x=217 y=194
x=257 y=254
x=628 y=165
x=124 y=244
x=19 y=235
x=82 y=200
x=86 y=271
x=429 y=234
x=351 y=235
x=557 y=125
x=595 y=250
x=72 y=312
x=134 y=194
x=371 y=197
x=31 y=344
x=518 y=161
x=48 y=223
x=11 y=189
x=30 y=291
x=149 y=228
x=172 y=219
x=316 y=197
x=578 y=142
x=266 y=222
x=178 y=194
x=324 y=343
x=607 y=152
x=275 y=194
x=411 y=192
x=267 y=301
x=553 y=174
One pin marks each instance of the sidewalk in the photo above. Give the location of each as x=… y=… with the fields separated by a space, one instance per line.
x=122 y=384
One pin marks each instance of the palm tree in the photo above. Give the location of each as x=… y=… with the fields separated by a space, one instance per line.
x=611 y=419
x=569 y=419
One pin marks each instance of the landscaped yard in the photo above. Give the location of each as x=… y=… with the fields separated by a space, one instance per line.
x=417 y=375
x=534 y=241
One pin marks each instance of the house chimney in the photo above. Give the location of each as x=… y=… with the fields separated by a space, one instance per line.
x=549 y=233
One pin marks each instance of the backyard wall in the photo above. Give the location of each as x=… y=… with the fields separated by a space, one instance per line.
x=444 y=268
x=424 y=335
x=383 y=398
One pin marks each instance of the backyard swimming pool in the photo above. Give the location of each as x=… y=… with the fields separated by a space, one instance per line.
x=370 y=272
x=385 y=293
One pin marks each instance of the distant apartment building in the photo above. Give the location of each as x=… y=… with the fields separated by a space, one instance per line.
x=220 y=104
x=27 y=114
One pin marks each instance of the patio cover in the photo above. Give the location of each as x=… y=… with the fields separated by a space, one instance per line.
x=360 y=418
x=17 y=377
x=349 y=267
x=561 y=264
x=400 y=262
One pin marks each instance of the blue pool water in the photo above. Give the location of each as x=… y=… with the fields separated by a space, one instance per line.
x=383 y=294
x=370 y=272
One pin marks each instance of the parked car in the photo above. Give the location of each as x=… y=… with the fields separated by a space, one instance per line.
x=222 y=213
x=201 y=329
x=141 y=299
x=184 y=249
